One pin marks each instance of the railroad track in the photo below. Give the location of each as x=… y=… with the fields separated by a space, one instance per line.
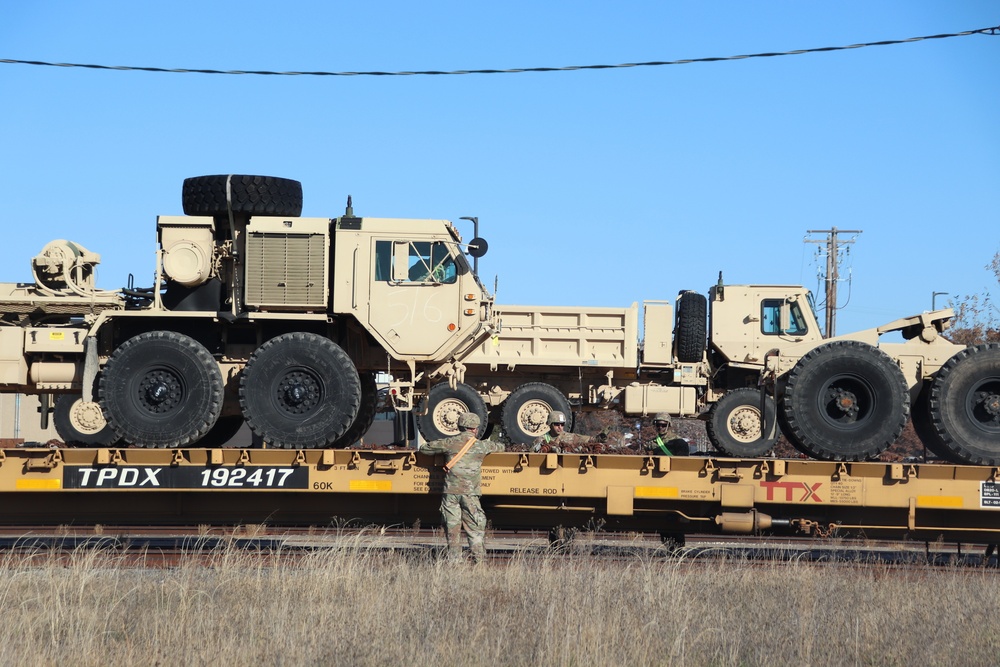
x=155 y=546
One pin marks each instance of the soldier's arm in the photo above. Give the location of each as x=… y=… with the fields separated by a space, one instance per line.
x=433 y=447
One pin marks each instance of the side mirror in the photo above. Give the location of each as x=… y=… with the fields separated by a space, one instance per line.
x=478 y=247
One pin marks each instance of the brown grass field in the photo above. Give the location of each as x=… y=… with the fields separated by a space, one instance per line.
x=362 y=606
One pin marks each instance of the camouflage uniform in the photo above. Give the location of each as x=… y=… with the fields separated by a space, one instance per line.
x=675 y=445
x=460 y=506
x=559 y=443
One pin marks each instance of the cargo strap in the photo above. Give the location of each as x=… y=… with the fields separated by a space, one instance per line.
x=468 y=445
x=662 y=446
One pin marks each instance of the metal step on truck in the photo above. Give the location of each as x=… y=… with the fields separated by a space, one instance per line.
x=258 y=315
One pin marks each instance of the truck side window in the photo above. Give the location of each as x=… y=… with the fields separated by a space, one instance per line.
x=426 y=262
x=770 y=319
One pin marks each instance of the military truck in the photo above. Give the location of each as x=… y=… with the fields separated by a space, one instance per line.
x=259 y=315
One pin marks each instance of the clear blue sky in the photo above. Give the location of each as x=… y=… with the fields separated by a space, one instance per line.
x=595 y=188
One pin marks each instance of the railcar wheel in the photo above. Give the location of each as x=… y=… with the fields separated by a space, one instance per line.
x=965 y=405
x=844 y=401
x=80 y=422
x=735 y=426
x=366 y=412
x=248 y=195
x=527 y=409
x=692 y=331
x=439 y=412
x=300 y=390
x=161 y=389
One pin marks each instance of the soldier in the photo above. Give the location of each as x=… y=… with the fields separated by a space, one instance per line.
x=666 y=442
x=557 y=438
x=460 y=506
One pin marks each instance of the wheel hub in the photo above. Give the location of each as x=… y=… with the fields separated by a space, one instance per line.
x=298 y=393
x=159 y=391
x=446 y=415
x=845 y=402
x=745 y=425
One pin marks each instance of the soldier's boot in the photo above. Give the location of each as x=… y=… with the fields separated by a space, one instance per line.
x=478 y=550
x=454 y=542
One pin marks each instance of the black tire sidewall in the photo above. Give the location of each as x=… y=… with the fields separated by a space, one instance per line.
x=184 y=358
x=857 y=362
x=440 y=393
x=692 y=331
x=325 y=361
x=250 y=195
x=950 y=395
x=532 y=391
x=718 y=418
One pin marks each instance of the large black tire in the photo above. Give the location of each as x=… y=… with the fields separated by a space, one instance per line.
x=691 y=331
x=965 y=405
x=300 y=390
x=920 y=415
x=845 y=401
x=526 y=411
x=735 y=426
x=250 y=195
x=225 y=429
x=82 y=423
x=161 y=389
x=366 y=412
x=440 y=410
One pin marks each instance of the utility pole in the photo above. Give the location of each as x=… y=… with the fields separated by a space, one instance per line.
x=833 y=245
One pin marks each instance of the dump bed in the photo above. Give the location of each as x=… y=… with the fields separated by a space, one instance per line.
x=562 y=336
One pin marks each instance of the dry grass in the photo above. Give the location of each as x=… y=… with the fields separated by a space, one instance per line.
x=359 y=606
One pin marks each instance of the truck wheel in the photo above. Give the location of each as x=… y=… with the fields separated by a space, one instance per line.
x=439 y=412
x=300 y=390
x=845 y=401
x=735 y=426
x=161 y=389
x=527 y=409
x=920 y=415
x=965 y=405
x=225 y=429
x=250 y=195
x=79 y=422
x=691 y=332
x=366 y=412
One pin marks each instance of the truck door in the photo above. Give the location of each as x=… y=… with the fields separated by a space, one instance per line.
x=415 y=297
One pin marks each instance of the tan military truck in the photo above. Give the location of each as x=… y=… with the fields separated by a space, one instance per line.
x=261 y=316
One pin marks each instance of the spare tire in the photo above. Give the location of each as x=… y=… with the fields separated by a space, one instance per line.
x=691 y=330
x=249 y=195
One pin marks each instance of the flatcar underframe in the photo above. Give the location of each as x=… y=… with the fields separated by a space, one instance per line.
x=667 y=495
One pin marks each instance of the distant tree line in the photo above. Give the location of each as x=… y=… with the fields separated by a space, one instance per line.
x=977 y=319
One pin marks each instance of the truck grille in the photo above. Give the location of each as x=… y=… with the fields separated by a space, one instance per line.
x=285 y=271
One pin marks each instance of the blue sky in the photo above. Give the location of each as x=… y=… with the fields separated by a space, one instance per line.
x=595 y=188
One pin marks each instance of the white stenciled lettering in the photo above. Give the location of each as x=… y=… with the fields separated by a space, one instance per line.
x=151 y=477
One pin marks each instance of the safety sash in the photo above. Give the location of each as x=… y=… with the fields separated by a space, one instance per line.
x=468 y=445
x=662 y=446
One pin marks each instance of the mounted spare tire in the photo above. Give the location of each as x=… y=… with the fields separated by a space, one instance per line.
x=249 y=195
x=844 y=401
x=691 y=330
x=965 y=405
x=161 y=389
x=439 y=412
x=300 y=390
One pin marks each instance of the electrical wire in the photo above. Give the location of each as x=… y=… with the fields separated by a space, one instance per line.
x=995 y=30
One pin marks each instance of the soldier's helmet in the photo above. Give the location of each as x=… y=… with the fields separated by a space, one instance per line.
x=556 y=417
x=662 y=417
x=468 y=420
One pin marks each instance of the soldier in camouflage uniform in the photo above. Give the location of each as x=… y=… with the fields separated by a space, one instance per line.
x=557 y=439
x=666 y=442
x=460 y=506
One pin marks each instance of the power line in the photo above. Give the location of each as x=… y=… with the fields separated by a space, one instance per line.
x=995 y=30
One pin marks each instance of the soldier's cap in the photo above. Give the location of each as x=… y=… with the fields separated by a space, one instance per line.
x=468 y=420
x=661 y=417
x=556 y=417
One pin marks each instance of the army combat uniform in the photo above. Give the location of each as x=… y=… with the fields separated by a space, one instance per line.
x=460 y=506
